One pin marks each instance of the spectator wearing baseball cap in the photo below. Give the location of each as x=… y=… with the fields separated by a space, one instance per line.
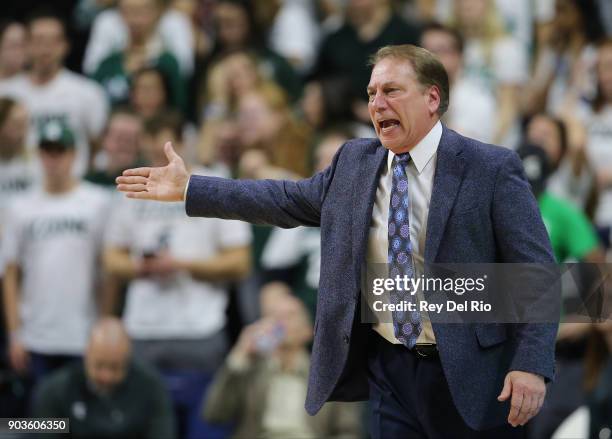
x=51 y=246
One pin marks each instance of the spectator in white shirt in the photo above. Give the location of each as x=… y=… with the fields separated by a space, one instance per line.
x=50 y=92
x=51 y=246
x=472 y=110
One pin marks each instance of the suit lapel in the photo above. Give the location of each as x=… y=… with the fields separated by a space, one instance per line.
x=447 y=180
x=364 y=192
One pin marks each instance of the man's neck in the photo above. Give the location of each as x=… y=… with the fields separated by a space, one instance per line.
x=60 y=187
x=420 y=138
x=41 y=77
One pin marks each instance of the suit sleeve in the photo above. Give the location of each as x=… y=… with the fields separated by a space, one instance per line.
x=522 y=238
x=284 y=204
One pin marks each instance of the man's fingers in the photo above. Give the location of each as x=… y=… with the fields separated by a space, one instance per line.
x=142 y=172
x=540 y=403
x=515 y=405
x=506 y=391
x=131 y=180
x=526 y=410
x=140 y=195
x=132 y=188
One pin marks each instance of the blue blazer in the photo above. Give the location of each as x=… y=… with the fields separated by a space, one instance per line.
x=481 y=211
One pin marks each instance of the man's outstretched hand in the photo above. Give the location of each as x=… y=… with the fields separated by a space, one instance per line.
x=162 y=184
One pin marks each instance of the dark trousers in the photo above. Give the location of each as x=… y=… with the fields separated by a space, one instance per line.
x=410 y=398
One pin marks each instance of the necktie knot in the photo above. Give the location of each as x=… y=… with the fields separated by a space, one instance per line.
x=402 y=158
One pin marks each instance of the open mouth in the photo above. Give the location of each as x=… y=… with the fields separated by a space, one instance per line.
x=388 y=125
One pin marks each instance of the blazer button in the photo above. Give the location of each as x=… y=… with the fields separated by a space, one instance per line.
x=346 y=339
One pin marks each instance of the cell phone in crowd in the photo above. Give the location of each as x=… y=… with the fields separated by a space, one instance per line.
x=268 y=341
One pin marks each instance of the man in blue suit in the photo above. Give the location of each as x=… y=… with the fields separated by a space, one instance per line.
x=418 y=194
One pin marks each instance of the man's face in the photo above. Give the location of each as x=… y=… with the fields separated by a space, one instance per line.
x=106 y=366
x=360 y=12
x=57 y=163
x=148 y=94
x=443 y=45
x=122 y=139
x=232 y=24
x=401 y=109
x=543 y=132
x=47 y=44
x=140 y=17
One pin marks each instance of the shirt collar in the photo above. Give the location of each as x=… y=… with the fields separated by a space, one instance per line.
x=423 y=151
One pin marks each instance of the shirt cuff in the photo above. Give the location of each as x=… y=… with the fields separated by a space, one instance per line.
x=186 y=189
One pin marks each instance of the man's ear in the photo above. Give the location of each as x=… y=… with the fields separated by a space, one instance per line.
x=433 y=97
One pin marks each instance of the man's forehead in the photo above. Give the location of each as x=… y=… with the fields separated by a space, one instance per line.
x=389 y=70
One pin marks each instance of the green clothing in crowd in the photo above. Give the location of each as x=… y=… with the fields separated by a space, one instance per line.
x=139 y=407
x=571 y=234
x=116 y=81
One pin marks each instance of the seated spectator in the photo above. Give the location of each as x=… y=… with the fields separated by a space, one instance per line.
x=110 y=33
x=265 y=122
x=327 y=103
x=108 y=394
x=144 y=49
x=560 y=216
x=177 y=271
x=496 y=60
x=12 y=49
x=368 y=25
x=50 y=92
x=235 y=29
x=572 y=177
x=262 y=384
x=150 y=93
x=51 y=247
x=473 y=109
x=565 y=65
x=120 y=148
x=228 y=79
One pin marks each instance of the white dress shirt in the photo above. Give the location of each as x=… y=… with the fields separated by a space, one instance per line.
x=420 y=170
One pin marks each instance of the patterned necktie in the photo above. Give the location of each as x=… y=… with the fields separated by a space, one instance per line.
x=407 y=325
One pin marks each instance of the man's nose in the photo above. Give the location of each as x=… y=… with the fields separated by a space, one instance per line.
x=379 y=101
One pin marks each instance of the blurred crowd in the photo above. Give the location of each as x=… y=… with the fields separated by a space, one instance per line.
x=132 y=319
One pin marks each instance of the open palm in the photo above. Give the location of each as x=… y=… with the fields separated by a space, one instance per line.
x=165 y=183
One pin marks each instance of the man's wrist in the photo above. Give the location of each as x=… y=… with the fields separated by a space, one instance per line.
x=186 y=189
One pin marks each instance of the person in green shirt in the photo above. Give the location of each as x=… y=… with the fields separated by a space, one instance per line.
x=144 y=50
x=572 y=235
x=108 y=395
